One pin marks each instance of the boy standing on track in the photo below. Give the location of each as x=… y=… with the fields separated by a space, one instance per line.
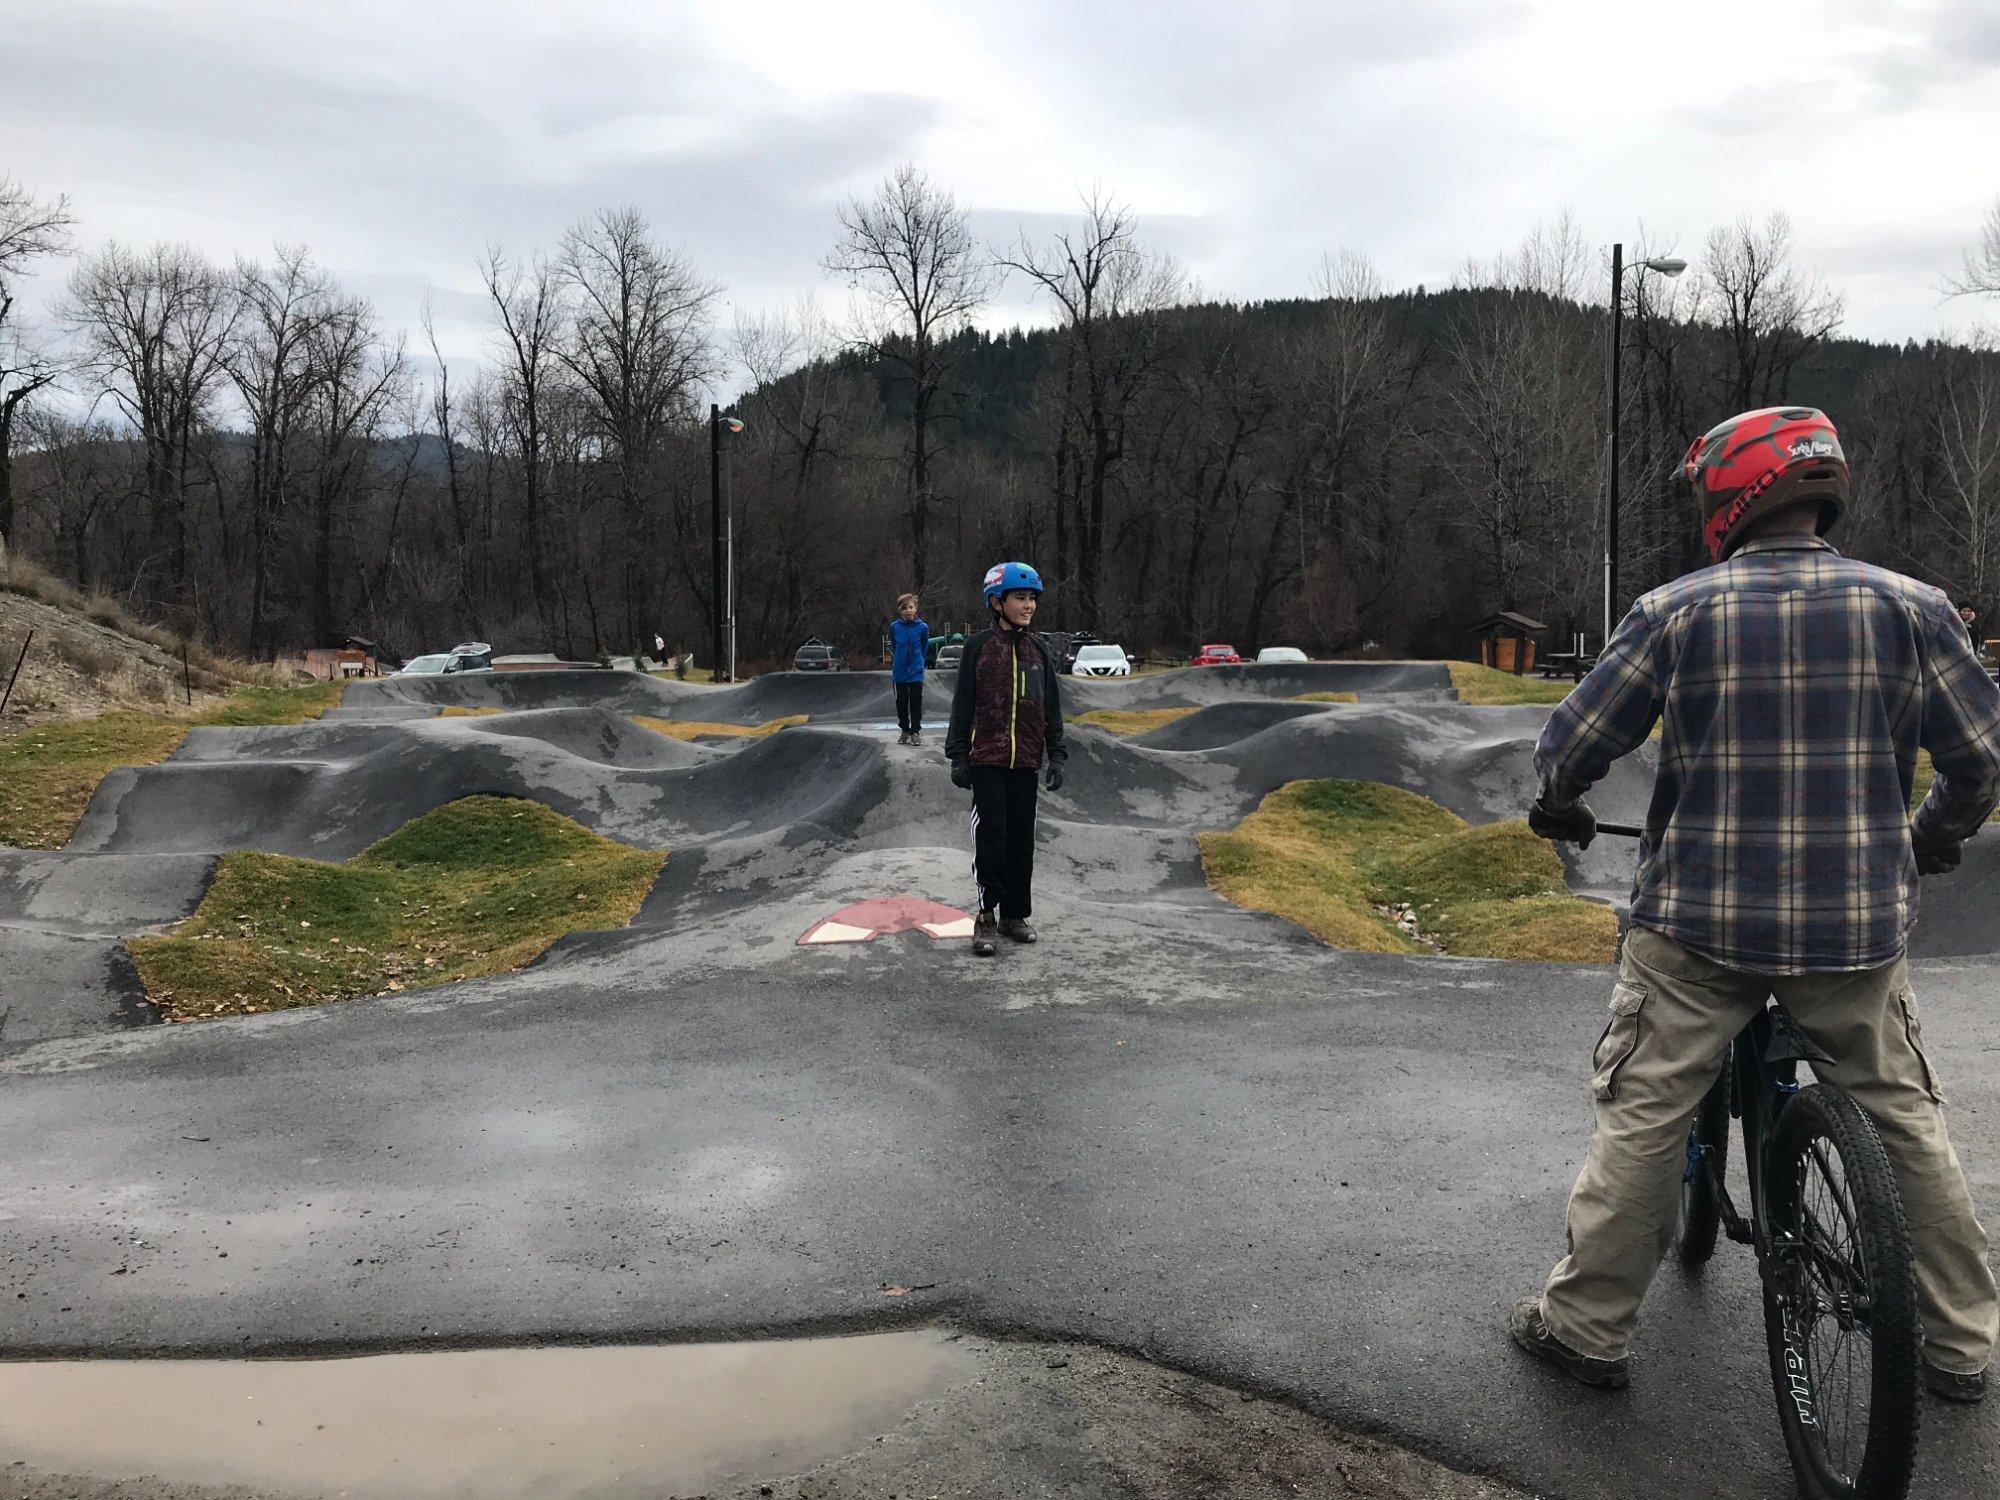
x=909 y=637
x=1006 y=731
x=1794 y=688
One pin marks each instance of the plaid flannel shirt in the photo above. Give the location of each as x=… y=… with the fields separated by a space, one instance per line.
x=1796 y=686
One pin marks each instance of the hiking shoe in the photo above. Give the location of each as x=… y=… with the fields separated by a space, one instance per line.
x=1532 y=1334
x=903 y=738
x=1969 y=1390
x=1018 y=929
x=984 y=930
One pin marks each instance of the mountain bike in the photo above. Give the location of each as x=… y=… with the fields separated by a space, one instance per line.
x=1833 y=1254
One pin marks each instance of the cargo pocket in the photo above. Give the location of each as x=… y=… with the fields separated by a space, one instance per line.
x=1620 y=1039
x=1913 y=1029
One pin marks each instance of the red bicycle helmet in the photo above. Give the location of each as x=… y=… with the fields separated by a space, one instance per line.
x=1763 y=461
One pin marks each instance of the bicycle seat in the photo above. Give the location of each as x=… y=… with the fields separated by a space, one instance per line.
x=1789 y=1044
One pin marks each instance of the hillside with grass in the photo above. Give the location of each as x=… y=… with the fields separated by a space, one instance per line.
x=1380 y=869
x=479 y=886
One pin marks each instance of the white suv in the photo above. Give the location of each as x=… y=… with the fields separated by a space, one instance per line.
x=1101 y=661
x=1281 y=653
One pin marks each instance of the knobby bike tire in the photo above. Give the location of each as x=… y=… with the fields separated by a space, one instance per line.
x=1701 y=1206
x=1858 y=1223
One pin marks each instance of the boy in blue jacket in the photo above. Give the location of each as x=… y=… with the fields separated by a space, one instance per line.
x=909 y=637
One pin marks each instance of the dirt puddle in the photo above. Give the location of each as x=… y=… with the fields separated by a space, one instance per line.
x=490 y=1424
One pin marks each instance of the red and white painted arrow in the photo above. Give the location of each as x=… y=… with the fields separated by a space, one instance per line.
x=864 y=921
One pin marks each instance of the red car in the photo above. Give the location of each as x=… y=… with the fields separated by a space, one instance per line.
x=1217 y=655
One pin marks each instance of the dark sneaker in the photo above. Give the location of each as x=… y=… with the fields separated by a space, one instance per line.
x=1968 y=1389
x=984 y=929
x=903 y=738
x=1532 y=1334
x=1018 y=929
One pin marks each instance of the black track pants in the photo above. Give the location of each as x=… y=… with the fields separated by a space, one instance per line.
x=909 y=706
x=1003 y=839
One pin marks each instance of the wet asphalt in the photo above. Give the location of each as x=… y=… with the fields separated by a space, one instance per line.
x=1172 y=1129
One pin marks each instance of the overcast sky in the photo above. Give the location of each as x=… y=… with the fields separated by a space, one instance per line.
x=397 y=137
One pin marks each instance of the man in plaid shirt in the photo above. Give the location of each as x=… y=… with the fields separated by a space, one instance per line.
x=1794 y=687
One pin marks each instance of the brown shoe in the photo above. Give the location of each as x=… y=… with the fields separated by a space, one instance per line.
x=984 y=930
x=1018 y=929
x=1968 y=1390
x=1532 y=1334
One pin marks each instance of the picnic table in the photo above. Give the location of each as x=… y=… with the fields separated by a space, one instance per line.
x=1570 y=664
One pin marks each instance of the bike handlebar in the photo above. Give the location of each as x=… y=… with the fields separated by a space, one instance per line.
x=1624 y=830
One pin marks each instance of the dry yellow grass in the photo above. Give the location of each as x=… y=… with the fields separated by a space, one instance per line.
x=455 y=712
x=688 y=729
x=1484 y=687
x=1332 y=855
x=1324 y=698
x=1132 y=720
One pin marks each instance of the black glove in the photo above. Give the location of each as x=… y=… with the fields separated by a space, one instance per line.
x=1937 y=858
x=1575 y=824
x=961 y=772
x=1052 y=778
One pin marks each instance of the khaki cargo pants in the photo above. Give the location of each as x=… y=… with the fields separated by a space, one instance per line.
x=1673 y=1014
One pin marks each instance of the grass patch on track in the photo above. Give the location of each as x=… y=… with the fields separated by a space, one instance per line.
x=456 y=712
x=48 y=773
x=1340 y=857
x=1129 y=721
x=688 y=729
x=1486 y=687
x=478 y=886
x=1324 y=698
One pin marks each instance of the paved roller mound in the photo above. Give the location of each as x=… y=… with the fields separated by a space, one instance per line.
x=1174 y=1127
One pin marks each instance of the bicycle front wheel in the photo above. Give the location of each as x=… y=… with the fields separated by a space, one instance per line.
x=1840 y=1306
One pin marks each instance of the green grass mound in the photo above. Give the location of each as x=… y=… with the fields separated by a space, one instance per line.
x=1337 y=857
x=479 y=886
x=49 y=773
x=1485 y=687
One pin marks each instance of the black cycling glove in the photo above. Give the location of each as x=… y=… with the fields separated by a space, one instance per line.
x=1937 y=858
x=1575 y=824
x=961 y=773
x=1052 y=778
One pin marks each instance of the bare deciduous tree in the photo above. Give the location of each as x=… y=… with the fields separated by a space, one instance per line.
x=638 y=344
x=1771 y=313
x=156 y=327
x=31 y=229
x=1109 y=293
x=910 y=253
x=1979 y=273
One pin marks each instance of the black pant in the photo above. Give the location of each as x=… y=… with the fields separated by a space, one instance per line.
x=909 y=706
x=1003 y=839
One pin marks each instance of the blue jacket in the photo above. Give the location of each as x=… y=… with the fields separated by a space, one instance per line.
x=907 y=639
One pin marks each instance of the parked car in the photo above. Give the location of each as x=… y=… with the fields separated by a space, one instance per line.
x=817 y=656
x=1101 y=661
x=1216 y=654
x=469 y=656
x=1281 y=653
x=1067 y=646
x=424 y=666
x=949 y=656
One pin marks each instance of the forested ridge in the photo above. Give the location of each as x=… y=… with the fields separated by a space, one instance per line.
x=248 y=452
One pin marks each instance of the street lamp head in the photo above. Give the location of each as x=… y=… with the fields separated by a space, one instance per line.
x=1666 y=265
x=733 y=424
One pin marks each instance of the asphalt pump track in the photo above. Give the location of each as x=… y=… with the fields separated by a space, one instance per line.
x=1173 y=1129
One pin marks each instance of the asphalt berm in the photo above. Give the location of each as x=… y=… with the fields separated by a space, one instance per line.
x=1175 y=1131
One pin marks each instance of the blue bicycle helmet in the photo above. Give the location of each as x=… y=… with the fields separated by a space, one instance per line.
x=1005 y=578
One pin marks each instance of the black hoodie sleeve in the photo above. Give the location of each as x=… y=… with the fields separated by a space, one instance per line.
x=958 y=737
x=1053 y=747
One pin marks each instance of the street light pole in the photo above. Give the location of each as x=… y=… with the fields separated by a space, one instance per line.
x=1667 y=266
x=715 y=539
x=1611 y=446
